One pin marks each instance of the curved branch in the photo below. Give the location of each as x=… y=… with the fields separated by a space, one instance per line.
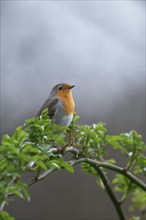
x=118 y=169
x=110 y=192
x=112 y=167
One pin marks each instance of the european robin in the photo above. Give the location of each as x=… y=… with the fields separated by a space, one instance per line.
x=60 y=104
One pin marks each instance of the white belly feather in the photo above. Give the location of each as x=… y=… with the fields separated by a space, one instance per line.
x=60 y=117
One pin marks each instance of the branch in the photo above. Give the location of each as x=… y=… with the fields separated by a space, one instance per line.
x=41 y=177
x=2 y=205
x=51 y=170
x=68 y=149
x=110 y=192
x=112 y=167
x=96 y=166
x=71 y=149
x=118 y=169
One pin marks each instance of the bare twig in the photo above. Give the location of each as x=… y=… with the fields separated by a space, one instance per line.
x=41 y=177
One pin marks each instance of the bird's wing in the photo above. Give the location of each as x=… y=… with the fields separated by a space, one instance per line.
x=51 y=105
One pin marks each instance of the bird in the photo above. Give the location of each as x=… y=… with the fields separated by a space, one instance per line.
x=60 y=104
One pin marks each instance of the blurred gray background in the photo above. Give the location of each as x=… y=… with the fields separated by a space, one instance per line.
x=97 y=45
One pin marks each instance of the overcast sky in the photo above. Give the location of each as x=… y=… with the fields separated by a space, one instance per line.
x=97 y=45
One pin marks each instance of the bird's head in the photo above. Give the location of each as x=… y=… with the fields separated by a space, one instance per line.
x=62 y=89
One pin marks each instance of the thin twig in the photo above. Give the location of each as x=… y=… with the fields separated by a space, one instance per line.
x=71 y=149
x=2 y=205
x=41 y=177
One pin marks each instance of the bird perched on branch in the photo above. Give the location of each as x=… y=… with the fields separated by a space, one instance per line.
x=60 y=104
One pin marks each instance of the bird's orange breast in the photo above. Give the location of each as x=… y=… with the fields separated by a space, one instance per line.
x=68 y=102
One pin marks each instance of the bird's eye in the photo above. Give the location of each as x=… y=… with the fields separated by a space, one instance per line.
x=60 y=88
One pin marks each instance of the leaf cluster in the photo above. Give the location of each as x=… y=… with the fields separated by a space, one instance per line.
x=28 y=150
x=40 y=147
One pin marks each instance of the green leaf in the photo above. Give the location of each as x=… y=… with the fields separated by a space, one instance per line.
x=44 y=114
x=26 y=193
x=55 y=165
x=138 y=200
x=22 y=186
x=41 y=164
x=5 y=216
x=59 y=162
x=15 y=192
x=111 y=161
x=89 y=169
x=76 y=117
x=5 y=140
x=116 y=142
x=123 y=184
x=134 y=218
x=68 y=167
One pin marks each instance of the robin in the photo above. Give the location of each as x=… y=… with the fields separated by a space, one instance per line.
x=60 y=104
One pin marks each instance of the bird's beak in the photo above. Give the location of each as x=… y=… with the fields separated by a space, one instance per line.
x=71 y=86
